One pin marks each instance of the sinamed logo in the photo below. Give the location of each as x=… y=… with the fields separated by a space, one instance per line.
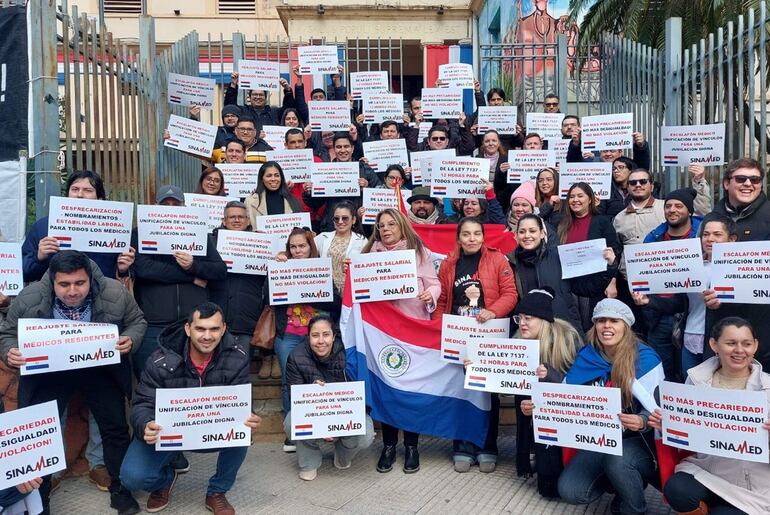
x=320 y=294
x=224 y=437
x=742 y=448
x=350 y=426
x=100 y=354
x=398 y=291
x=6 y=286
x=114 y=244
x=187 y=246
x=30 y=468
x=688 y=283
x=602 y=441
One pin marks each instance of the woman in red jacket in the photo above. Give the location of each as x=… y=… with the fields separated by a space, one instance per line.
x=476 y=281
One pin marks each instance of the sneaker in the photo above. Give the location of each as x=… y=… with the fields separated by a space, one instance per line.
x=100 y=477
x=289 y=446
x=124 y=502
x=341 y=463
x=218 y=504
x=265 y=367
x=462 y=466
x=487 y=466
x=308 y=475
x=159 y=499
x=179 y=463
x=387 y=457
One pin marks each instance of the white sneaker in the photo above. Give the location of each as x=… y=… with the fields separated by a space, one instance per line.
x=308 y=475
x=289 y=446
x=338 y=463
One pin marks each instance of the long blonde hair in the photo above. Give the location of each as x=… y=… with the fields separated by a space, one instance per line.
x=407 y=233
x=623 y=364
x=559 y=344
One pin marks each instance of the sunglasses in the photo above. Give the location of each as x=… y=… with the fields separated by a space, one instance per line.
x=640 y=182
x=740 y=179
x=438 y=138
x=341 y=219
x=551 y=104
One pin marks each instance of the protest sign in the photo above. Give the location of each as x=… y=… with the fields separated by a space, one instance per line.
x=190 y=136
x=300 y=281
x=422 y=163
x=262 y=75
x=384 y=276
x=296 y=164
x=11 y=269
x=525 y=164
x=424 y=129
x=382 y=153
x=442 y=103
x=208 y=417
x=740 y=272
x=715 y=421
x=240 y=179
x=191 y=91
x=50 y=345
x=381 y=107
x=682 y=145
x=375 y=200
x=246 y=252
x=91 y=225
x=275 y=136
x=362 y=83
x=31 y=444
x=329 y=411
x=329 y=115
x=607 y=132
x=459 y=177
x=596 y=175
x=456 y=75
x=497 y=118
x=315 y=59
x=559 y=149
x=580 y=417
x=213 y=204
x=547 y=125
x=665 y=267
x=502 y=365
x=282 y=225
x=582 y=258
x=457 y=330
x=335 y=179
x=168 y=229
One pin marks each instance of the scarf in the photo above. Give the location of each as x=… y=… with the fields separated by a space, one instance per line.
x=64 y=312
x=493 y=159
x=378 y=246
x=432 y=218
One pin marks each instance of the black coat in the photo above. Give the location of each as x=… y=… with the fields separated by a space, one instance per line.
x=269 y=115
x=641 y=155
x=304 y=367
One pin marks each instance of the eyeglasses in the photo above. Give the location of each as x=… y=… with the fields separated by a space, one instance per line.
x=740 y=179
x=640 y=182
x=518 y=319
x=341 y=219
x=438 y=138
x=619 y=167
x=389 y=225
x=391 y=178
x=245 y=129
x=213 y=180
x=258 y=95
x=551 y=104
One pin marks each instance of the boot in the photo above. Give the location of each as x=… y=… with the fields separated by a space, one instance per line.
x=387 y=457
x=275 y=371
x=411 y=459
x=702 y=509
x=264 y=369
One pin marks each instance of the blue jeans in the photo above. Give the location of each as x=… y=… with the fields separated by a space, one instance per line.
x=689 y=360
x=283 y=347
x=149 y=344
x=146 y=469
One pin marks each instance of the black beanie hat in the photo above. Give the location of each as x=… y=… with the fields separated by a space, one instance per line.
x=231 y=109
x=538 y=303
x=684 y=195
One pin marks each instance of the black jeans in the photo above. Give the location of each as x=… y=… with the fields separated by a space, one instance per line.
x=684 y=493
x=390 y=435
x=524 y=439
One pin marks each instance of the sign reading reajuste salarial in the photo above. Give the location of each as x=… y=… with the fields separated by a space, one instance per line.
x=246 y=252
x=383 y=153
x=240 y=178
x=381 y=107
x=11 y=269
x=422 y=163
x=715 y=421
x=335 y=179
x=209 y=417
x=296 y=164
x=459 y=177
x=52 y=345
x=547 y=125
x=362 y=83
x=190 y=91
x=607 y=132
x=213 y=204
x=456 y=331
x=580 y=417
x=525 y=164
x=692 y=144
x=740 y=272
x=168 y=229
x=502 y=365
x=300 y=281
x=329 y=115
x=375 y=200
x=582 y=258
x=328 y=411
x=596 y=175
x=282 y=225
x=31 y=444
x=456 y=75
x=258 y=75
x=190 y=136
x=666 y=267
x=384 y=276
x=442 y=103
x=91 y=225
x=314 y=59
x=497 y=118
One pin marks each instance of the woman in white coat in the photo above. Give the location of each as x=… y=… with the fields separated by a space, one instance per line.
x=343 y=242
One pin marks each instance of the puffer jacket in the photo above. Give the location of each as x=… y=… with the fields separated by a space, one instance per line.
x=743 y=484
x=753 y=221
x=304 y=367
x=170 y=367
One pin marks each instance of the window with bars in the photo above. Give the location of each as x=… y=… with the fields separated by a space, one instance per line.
x=237 y=6
x=123 y=6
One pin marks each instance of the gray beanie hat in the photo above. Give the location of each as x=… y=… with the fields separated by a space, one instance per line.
x=613 y=308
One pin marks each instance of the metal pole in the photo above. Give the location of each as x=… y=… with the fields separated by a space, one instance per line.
x=561 y=71
x=148 y=137
x=673 y=92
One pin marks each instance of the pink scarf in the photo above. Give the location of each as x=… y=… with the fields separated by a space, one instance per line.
x=378 y=246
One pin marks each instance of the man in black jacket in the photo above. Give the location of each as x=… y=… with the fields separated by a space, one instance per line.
x=193 y=353
x=259 y=108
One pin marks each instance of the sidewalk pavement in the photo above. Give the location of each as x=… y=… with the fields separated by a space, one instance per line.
x=268 y=483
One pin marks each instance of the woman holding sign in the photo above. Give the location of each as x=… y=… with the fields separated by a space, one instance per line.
x=272 y=195
x=211 y=182
x=704 y=483
x=392 y=231
x=547 y=193
x=344 y=241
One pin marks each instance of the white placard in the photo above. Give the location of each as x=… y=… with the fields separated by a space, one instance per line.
x=442 y=103
x=262 y=75
x=208 y=417
x=682 y=145
x=384 y=276
x=459 y=177
x=502 y=365
x=31 y=444
x=582 y=258
x=740 y=272
x=456 y=75
x=246 y=252
x=186 y=90
x=502 y=119
x=457 y=330
x=596 y=175
x=559 y=148
x=424 y=129
x=381 y=107
x=607 y=132
x=190 y=136
x=526 y=164
x=300 y=281
x=546 y=125
x=422 y=163
x=168 y=229
x=580 y=417
x=375 y=200
x=715 y=421
x=275 y=136
x=666 y=267
x=329 y=411
x=282 y=225
x=241 y=179
x=213 y=204
x=91 y=225
x=296 y=164
x=50 y=345
x=362 y=83
x=335 y=179
x=318 y=59
x=329 y=115
x=11 y=269
x=382 y=153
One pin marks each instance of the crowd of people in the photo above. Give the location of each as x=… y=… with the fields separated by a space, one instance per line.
x=185 y=321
